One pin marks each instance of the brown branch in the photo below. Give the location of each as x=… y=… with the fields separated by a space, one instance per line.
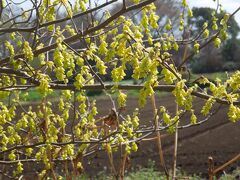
x=95 y=87
x=20 y=73
x=9 y=30
x=15 y=17
x=147 y=133
x=89 y=65
x=202 y=121
x=166 y=88
x=86 y=32
x=159 y=141
x=1 y=9
x=236 y=158
x=205 y=44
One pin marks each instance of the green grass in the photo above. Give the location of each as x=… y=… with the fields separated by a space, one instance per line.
x=234 y=175
x=149 y=173
x=221 y=75
x=35 y=95
x=152 y=173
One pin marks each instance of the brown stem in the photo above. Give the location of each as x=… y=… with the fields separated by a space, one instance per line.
x=122 y=167
x=66 y=170
x=110 y=158
x=74 y=38
x=175 y=148
x=227 y=164
x=210 y=168
x=159 y=143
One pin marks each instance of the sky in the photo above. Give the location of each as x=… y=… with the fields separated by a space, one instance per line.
x=228 y=5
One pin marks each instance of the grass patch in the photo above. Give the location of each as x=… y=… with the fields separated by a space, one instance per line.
x=148 y=173
x=221 y=75
x=35 y=95
x=234 y=175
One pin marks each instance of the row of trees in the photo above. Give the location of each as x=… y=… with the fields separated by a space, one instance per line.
x=44 y=51
x=226 y=57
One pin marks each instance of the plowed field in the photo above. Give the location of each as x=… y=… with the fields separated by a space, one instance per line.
x=218 y=137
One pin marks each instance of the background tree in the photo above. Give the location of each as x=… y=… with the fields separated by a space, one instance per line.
x=224 y=58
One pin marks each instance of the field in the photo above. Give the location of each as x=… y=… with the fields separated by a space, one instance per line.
x=218 y=137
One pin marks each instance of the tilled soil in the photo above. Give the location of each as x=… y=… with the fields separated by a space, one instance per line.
x=218 y=137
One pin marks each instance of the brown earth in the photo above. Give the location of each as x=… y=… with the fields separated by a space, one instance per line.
x=218 y=137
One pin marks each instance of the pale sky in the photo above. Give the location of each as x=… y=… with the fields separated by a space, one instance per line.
x=228 y=5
